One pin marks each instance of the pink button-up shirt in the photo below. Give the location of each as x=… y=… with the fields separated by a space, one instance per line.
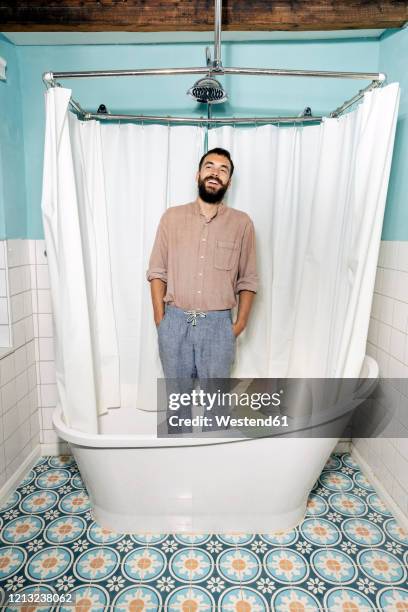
x=205 y=263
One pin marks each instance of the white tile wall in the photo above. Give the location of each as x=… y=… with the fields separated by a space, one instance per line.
x=19 y=413
x=5 y=307
x=388 y=344
x=44 y=351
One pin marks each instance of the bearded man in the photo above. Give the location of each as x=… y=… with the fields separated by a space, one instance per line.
x=202 y=260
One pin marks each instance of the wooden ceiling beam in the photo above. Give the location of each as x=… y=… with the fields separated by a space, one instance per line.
x=198 y=15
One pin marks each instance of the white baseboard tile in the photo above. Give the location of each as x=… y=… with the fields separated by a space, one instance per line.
x=58 y=448
x=398 y=514
x=12 y=483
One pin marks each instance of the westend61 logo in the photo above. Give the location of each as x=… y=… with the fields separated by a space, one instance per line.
x=199 y=397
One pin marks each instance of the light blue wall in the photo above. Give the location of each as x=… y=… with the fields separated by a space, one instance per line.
x=166 y=95
x=394 y=62
x=12 y=171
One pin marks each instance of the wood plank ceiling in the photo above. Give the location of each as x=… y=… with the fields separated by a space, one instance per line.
x=198 y=15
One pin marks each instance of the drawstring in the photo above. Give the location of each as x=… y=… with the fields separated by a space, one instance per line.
x=192 y=316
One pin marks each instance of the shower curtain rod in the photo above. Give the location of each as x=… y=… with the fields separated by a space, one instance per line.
x=373 y=76
x=49 y=79
x=214 y=67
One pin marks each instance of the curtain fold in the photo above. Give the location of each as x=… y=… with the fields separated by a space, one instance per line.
x=67 y=262
x=147 y=169
x=316 y=195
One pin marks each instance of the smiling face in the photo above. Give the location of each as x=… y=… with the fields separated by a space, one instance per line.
x=213 y=178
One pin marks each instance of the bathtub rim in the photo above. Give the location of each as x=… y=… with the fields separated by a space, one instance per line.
x=134 y=441
x=85 y=439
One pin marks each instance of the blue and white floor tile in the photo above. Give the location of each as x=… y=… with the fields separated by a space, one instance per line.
x=348 y=555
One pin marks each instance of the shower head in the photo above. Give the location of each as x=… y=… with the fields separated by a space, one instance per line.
x=208 y=90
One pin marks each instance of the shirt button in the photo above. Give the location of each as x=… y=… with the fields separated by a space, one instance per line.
x=202 y=257
x=198 y=291
x=204 y=239
x=200 y=274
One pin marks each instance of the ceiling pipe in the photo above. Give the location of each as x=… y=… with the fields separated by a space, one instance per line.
x=217 y=65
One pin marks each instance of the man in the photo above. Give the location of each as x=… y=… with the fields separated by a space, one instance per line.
x=202 y=258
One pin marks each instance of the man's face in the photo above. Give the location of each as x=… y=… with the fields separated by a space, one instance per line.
x=213 y=179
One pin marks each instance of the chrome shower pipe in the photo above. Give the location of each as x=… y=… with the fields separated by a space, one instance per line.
x=217 y=35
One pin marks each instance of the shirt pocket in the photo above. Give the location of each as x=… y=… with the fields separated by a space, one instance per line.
x=225 y=255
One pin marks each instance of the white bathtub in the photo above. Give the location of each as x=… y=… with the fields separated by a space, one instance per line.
x=138 y=483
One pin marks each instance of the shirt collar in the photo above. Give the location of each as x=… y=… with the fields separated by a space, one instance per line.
x=220 y=209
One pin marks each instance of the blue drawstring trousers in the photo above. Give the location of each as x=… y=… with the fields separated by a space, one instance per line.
x=194 y=344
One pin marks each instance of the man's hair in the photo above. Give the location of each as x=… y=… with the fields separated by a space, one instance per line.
x=218 y=151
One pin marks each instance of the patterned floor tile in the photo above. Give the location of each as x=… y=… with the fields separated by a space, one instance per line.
x=348 y=555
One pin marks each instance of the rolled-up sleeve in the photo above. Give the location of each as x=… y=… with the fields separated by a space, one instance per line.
x=247 y=275
x=159 y=255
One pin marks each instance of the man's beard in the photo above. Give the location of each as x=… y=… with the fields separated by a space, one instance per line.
x=211 y=197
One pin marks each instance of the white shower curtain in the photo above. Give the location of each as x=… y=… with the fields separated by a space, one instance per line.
x=316 y=195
